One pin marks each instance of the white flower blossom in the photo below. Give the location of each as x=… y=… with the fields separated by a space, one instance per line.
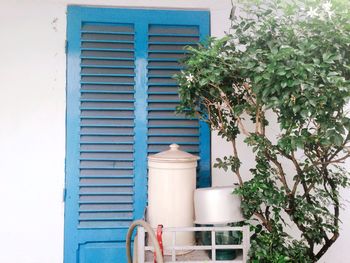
x=190 y=78
x=222 y=55
x=327 y=6
x=330 y=14
x=323 y=13
x=312 y=12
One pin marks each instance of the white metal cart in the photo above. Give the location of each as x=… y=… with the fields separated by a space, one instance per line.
x=197 y=253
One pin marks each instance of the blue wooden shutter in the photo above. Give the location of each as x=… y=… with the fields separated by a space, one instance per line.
x=120 y=103
x=166 y=47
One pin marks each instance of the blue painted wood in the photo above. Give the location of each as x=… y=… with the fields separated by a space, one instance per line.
x=72 y=137
x=204 y=179
x=99 y=243
x=141 y=117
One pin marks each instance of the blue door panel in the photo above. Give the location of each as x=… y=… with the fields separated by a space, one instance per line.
x=109 y=114
x=92 y=252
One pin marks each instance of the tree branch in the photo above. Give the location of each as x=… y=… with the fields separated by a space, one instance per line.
x=264 y=221
x=281 y=173
x=235 y=153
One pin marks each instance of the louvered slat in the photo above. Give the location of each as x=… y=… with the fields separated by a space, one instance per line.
x=106 y=126
x=165 y=48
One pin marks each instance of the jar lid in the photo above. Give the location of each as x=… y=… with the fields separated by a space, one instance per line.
x=173 y=155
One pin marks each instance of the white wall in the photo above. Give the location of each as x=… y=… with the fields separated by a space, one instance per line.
x=32 y=111
x=32 y=114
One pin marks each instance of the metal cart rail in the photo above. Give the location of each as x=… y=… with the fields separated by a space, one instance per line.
x=197 y=252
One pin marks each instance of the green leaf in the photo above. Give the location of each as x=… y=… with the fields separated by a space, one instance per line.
x=338 y=139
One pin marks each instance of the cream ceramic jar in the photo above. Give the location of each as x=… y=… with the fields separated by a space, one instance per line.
x=171 y=184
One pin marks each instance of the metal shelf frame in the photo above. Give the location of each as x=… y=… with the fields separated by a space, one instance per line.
x=198 y=251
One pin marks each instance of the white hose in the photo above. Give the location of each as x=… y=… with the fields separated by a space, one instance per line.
x=152 y=238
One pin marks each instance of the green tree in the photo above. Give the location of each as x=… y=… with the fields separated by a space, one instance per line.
x=289 y=62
